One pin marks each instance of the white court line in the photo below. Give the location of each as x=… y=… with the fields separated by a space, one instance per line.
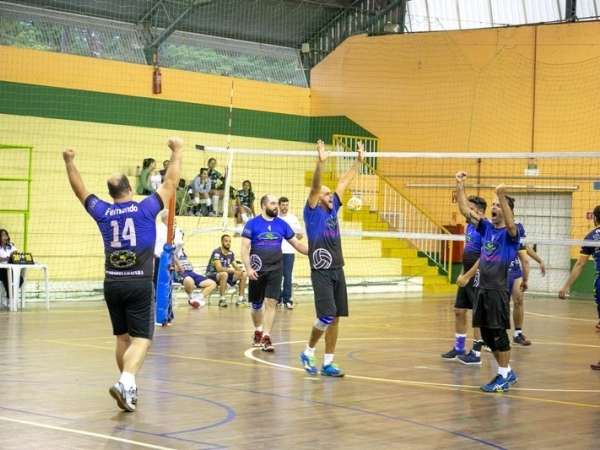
x=86 y=433
x=250 y=355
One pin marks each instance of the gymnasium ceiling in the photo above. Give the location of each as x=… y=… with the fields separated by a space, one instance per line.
x=287 y=23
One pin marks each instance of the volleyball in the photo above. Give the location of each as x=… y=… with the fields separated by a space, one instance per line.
x=354 y=204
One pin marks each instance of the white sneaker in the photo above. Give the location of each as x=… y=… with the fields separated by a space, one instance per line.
x=195 y=303
x=124 y=398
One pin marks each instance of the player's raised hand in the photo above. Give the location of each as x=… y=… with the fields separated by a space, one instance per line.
x=501 y=189
x=360 y=148
x=323 y=154
x=461 y=177
x=175 y=143
x=69 y=155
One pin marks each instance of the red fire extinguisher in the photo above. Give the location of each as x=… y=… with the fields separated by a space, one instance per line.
x=156 y=77
x=156 y=81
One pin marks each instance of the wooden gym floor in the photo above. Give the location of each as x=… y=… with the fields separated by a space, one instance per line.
x=204 y=387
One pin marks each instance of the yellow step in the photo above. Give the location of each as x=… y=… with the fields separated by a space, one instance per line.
x=420 y=271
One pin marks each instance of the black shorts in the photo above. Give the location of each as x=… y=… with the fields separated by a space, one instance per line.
x=331 y=295
x=131 y=307
x=268 y=285
x=465 y=296
x=491 y=309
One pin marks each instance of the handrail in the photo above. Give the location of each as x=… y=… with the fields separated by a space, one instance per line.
x=393 y=206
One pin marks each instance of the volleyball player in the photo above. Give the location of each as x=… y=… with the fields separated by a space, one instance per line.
x=129 y=232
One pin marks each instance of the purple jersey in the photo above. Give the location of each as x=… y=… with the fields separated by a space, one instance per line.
x=497 y=252
x=266 y=237
x=217 y=254
x=472 y=248
x=323 y=232
x=515 y=265
x=593 y=235
x=129 y=233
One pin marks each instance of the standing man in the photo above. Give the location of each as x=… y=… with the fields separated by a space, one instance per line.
x=129 y=232
x=262 y=257
x=465 y=295
x=326 y=262
x=289 y=254
x=491 y=311
x=584 y=255
x=224 y=270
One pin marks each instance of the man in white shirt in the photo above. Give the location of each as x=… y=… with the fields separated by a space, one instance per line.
x=289 y=254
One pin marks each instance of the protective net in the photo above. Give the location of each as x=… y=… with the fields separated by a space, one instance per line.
x=426 y=105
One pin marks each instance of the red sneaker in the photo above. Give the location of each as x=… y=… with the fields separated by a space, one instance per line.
x=256 y=337
x=598 y=326
x=266 y=345
x=595 y=366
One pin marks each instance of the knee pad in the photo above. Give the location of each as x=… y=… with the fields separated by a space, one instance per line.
x=256 y=308
x=323 y=322
x=488 y=338
x=501 y=340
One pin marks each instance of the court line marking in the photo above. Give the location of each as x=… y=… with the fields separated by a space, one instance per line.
x=250 y=355
x=86 y=433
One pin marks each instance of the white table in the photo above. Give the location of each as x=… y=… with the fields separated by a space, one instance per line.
x=14 y=273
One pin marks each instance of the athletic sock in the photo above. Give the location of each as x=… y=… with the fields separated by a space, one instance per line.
x=459 y=343
x=309 y=351
x=327 y=359
x=503 y=371
x=127 y=380
x=517 y=332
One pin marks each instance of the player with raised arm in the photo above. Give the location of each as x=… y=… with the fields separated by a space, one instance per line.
x=128 y=229
x=491 y=310
x=326 y=262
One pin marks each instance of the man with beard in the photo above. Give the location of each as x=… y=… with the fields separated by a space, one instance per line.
x=491 y=310
x=263 y=259
x=224 y=270
x=326 y=262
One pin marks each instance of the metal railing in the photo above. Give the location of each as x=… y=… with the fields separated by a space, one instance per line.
x=406 y=219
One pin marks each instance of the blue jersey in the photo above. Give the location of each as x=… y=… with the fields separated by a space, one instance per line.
x=323 y=232
x=129 y=233
x=217 y=254
x=266 y=237
x=515 y=265
x=497 y=252
x=472 y=248
x=593 y=235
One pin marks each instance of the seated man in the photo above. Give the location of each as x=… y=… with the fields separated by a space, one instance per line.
x=191 y=280
x=224 y=270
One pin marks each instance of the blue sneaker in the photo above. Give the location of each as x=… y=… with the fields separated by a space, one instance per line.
x=452 y=354
x=332 y=370
x=469 y=358
x=308 y=362
x=498 y=384
x=512 y=377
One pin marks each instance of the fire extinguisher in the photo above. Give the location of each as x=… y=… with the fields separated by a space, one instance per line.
x=156 y=77
x=156 y=81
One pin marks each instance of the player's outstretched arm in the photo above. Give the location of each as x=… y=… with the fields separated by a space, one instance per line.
x=462 y=199
x=349 y=175
x=74 y=176
x=315 y=186
x=302 y=248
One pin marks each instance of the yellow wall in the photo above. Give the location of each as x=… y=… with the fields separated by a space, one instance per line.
x=100 y=75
